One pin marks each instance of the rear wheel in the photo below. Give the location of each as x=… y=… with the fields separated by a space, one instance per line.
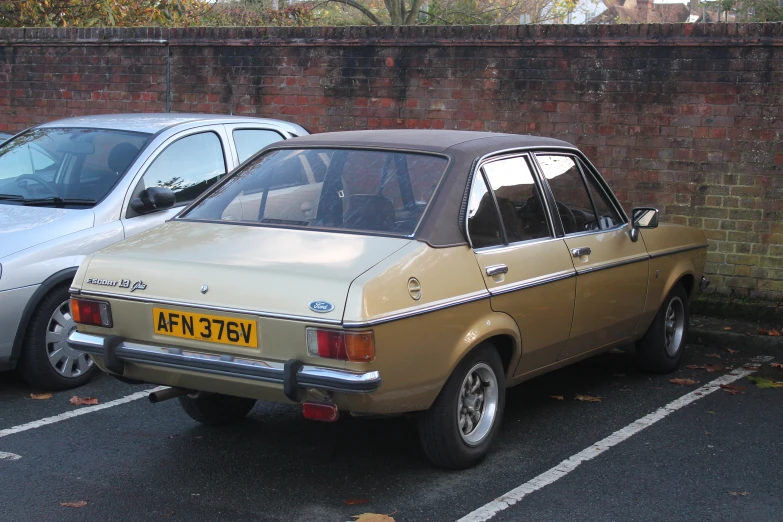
x=216 y=409
x=46 y=360
x=662 y=347
x=463 y=422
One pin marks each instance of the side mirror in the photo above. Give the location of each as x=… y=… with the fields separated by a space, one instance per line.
x=643 y=217
x=152 y=200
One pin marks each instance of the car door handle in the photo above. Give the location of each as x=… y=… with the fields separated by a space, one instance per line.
x=495 y=270
x=579 y=252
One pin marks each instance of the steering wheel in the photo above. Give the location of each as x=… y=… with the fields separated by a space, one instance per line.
x=37 y=179
x=564 y=211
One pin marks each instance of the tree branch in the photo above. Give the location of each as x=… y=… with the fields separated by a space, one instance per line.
x=366 y=12
x=413 y=13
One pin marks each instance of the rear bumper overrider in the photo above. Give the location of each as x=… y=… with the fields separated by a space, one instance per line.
x=292 y=374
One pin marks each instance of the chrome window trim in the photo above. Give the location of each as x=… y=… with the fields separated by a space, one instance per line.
x=411 y=312
x=613 y=264
x=593 y=232
x=513 y=246
x=525 y=152
x=258 y=313
x=533 y=282
x=677 y=251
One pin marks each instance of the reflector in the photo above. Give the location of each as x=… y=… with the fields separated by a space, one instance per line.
x=320 y=411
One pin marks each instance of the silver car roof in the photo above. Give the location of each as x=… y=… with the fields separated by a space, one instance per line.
x=155 y=122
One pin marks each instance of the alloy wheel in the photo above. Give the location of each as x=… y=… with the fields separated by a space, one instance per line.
x=674 y=326
x=477 y=404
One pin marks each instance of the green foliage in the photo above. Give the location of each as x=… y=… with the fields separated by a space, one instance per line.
x=256 y=13
x=106 y=13
x=461 y=12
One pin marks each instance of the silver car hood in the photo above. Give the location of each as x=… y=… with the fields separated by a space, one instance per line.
x=24 y=227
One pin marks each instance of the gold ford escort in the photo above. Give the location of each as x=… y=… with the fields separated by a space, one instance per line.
x=383 y=272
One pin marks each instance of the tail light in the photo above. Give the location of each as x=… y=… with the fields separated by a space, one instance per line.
x=338 y=344
x=93 y=313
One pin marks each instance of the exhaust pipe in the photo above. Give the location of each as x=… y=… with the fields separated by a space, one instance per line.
x=168 y=393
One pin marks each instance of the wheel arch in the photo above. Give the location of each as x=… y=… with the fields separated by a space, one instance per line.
x=63 y=276
x=501 y=331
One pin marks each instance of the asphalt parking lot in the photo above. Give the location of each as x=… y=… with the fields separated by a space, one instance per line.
x=710 y=456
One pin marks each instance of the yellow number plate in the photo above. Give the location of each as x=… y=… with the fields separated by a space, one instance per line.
x=202 y=327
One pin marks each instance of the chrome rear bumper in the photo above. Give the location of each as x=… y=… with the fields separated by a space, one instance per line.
x=291 y=374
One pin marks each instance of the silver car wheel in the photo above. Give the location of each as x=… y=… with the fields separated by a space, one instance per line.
x=477 y=404
x=65 y=360
x=674 y=326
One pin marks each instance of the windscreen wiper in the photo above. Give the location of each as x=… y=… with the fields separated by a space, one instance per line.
x=12 y=197
x=58 y=201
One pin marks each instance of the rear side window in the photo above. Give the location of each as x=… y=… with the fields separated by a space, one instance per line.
x=342 y=189
x=250 y=141
x=518 y=198
x=188 y=166
x=482 y=216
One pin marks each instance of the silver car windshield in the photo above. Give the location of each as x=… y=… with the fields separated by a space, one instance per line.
x=65 y=166
x=343 y=189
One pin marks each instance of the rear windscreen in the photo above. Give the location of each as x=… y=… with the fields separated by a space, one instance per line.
x=348 y=189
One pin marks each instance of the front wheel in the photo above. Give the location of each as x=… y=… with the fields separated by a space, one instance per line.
x=662 y=347
x=463 y=422
x=46 y=360
x=216 y=409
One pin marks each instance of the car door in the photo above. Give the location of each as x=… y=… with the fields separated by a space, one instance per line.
x=527 y=269
x=188 y=164
x=612 y=269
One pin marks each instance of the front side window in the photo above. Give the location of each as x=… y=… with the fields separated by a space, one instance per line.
x=482 y=216
x=58 y=164
x=607 y=215
x=250 y=141
x=518 y=199
x=188 y=167
x=571 y=197
x=342 y=189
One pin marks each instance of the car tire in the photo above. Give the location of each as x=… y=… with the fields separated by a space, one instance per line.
x=663 y=345
x=216 y=409
x=450 y=433
x=46 y=360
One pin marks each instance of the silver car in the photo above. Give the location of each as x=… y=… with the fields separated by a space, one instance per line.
x=74 y=186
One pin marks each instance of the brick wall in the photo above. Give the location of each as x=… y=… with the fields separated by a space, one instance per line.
x=685 y=117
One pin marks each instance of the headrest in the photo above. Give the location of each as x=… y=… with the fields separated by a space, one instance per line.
x=121 y=156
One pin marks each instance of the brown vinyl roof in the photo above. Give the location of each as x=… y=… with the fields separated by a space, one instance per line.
x=441 y=225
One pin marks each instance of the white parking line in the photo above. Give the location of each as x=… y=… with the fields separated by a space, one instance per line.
x=75 y=413
x=9 y=456
x=491 y=509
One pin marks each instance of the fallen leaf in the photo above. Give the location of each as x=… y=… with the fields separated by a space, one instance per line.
x=683 y=382
x=779 y=366
x=587 y=398
x=78 y=504
x=556 y=397
x=697 y=367
x=625 y=389
x=733 y=388
x=739 y=493
x=374 y=517
x=727 y=327
x=355 y=501
x=774 y=333
x=711 y=368
x=764 y=383
x=707 y=433
x=732 y=351
x=83 y=401
x=763 y=331
x=40 y=396
x=712 y=355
